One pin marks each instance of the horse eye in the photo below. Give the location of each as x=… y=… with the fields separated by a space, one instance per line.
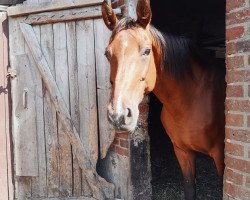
x=146 y=52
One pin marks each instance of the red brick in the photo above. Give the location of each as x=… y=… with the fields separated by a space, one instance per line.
x=236 y=191
x=121 y=151
x=234 y=149
x=238 y=164
x=235 y=91
x=248 y=181
x=113 y=147
x=238 y=17
x=143 y=109
x=233 y=176
x=238 y=105
x=116 y=141
x=238 y=47
x=143 y=117
x=249 y=90
x=248 y=121
x=124 y=143
x=234 y=120
x=235 y=62
x=123 y=135
x=116 y=4
x=234 y=33
x=234 y=76
x=238 y=135
x=233 y=4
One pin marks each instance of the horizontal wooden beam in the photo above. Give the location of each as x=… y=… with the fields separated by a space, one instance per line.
x=3 y=8
x=64 y=15
x=59 y=198
x=10 y=2
x=21 y=10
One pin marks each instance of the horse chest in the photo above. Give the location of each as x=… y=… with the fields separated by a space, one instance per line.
x=189 y=131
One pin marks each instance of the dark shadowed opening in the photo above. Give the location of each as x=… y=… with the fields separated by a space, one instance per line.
x=204 y=23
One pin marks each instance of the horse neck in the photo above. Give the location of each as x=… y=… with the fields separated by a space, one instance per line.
x=168 y=88
x=165 y=85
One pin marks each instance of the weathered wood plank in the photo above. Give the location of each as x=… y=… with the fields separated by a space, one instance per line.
x=50 y=6
x=22 y=186
x=100 y=188
x=87 y=91
x=87 y=87
x=25 y=148
x=62 y=80
x=64 y=15
x=74 y=98
x=3 y=117
x=38 y=183
x=106 y=131
x=50 y=124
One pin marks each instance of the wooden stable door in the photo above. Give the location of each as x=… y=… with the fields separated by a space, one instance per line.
x=60 y=95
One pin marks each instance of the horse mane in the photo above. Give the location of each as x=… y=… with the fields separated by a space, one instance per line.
x=177 y=52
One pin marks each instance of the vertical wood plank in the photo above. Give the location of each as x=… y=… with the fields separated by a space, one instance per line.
x=3 y=117
x=39 y=188
x=74 y=98
x=50 y=124
x=106 y=131
x=39 y=184
x=7 y=106
x=22 y=186
x=87 y=90
x=50 y=119
x=25 y=149
x=61 y=68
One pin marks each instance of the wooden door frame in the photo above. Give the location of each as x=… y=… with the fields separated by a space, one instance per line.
x=6 y=180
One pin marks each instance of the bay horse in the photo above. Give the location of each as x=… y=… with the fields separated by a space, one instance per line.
x=191 y=89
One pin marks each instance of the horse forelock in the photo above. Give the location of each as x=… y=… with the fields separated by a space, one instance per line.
x=124 y=24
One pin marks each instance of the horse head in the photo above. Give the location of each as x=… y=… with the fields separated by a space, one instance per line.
x=132 y=65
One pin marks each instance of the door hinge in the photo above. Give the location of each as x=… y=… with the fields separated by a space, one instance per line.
x=11 y=73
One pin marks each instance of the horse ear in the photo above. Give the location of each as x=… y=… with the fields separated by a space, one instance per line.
x=109 y=16
x=144 y=13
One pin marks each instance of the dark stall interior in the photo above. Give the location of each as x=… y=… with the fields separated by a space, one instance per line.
x=204 y=23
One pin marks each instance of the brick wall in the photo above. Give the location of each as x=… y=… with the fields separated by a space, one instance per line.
x=237 y=159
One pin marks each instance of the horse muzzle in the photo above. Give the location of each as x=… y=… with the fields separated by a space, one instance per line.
x=123 y=121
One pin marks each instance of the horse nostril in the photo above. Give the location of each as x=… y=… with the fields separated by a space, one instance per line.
x=129 y=113
x=119 y=121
